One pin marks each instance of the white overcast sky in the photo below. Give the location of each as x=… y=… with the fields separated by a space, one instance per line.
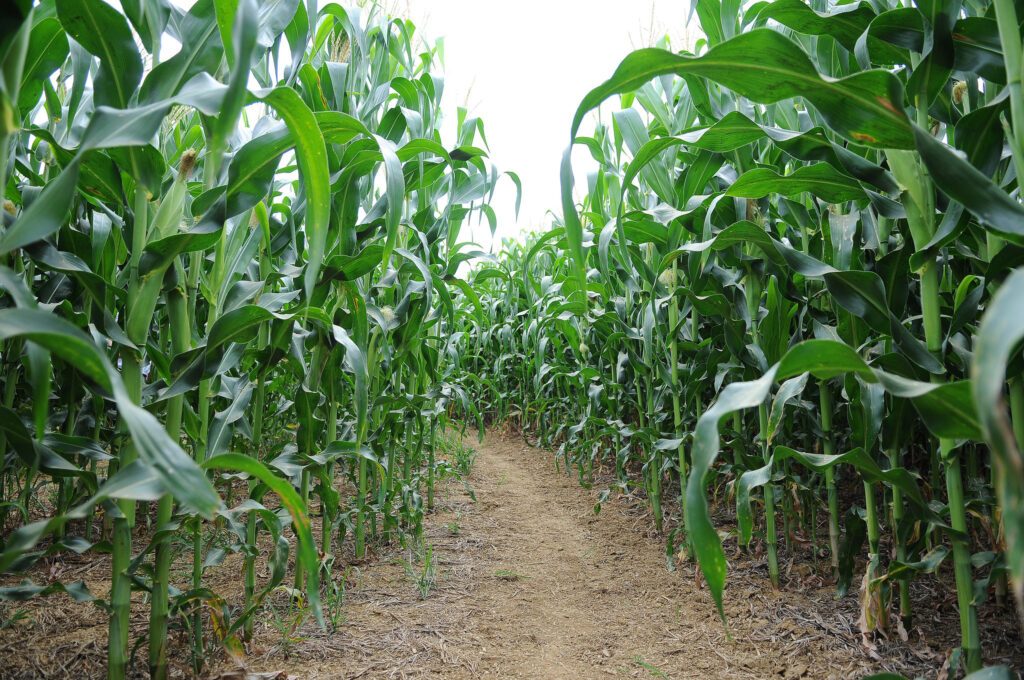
x=523 y=67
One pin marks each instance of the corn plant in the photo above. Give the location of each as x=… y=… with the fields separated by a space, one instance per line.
x=228 y=272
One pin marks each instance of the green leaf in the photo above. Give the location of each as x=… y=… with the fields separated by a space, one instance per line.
x=178 y=471
x=819 y=179
x=395 y=192
x=703 y=536
x=311 y=153
x=357 y=359
x=978 y=49
x=240 y=51
x=136 y=481
x=573 y=228
x=767 y=67
x=108 y=127
x=99 y=28
x=47 y=51
x=352 y=267
x=46 y=214
x=998 y=341
x=863 y=294
x=734 y=130
x=845 y=23
x=965 y=184
x=791 y=389
x=200 y=52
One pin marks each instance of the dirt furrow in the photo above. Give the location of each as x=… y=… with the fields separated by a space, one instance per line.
x=580 y=595
x=533 y=584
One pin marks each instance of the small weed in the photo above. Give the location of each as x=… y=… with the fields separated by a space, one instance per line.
x=421 y=568
x=453 y=528
x=17 y=617
x=461 y=456
x=334 y=599
x=287 y=620
x=650 y=668
x=508 y=575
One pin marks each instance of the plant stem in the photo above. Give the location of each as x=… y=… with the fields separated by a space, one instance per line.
x=120 y=582
x=827 y=447
x=181 y=335
x=954 y=485
x=901 y=548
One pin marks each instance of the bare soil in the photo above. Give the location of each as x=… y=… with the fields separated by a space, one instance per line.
x=531 y=583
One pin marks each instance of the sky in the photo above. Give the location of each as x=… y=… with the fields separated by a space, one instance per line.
x=523 y=67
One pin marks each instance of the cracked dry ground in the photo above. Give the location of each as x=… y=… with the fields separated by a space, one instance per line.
x=533 y=584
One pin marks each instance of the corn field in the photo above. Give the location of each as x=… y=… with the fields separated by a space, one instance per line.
x=786 y=310
x=254 y=236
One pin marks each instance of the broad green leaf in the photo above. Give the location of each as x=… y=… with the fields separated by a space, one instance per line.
x=200 y=53
x=999 y=337
x=791 y=389
x=767 y=67
x=311 y=152
x=978 y=49
x=819 y=179
x=108 y=127
x=47 y=51
x=856 y=458
x=845 y=23
x=178 y=472
x=734 y=130
x=395 y=192
x=941 y=405
x=703 y=536
x=962 y=182
x=99 y=28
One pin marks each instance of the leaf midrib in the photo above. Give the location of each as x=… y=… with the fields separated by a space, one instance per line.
x=28 y=73
x=812 y=180
x=815 y=79
x=105 y=47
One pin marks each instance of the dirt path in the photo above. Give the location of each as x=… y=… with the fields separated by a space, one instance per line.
x=533 y=584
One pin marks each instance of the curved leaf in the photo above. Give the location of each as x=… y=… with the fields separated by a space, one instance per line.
x=767 y=67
